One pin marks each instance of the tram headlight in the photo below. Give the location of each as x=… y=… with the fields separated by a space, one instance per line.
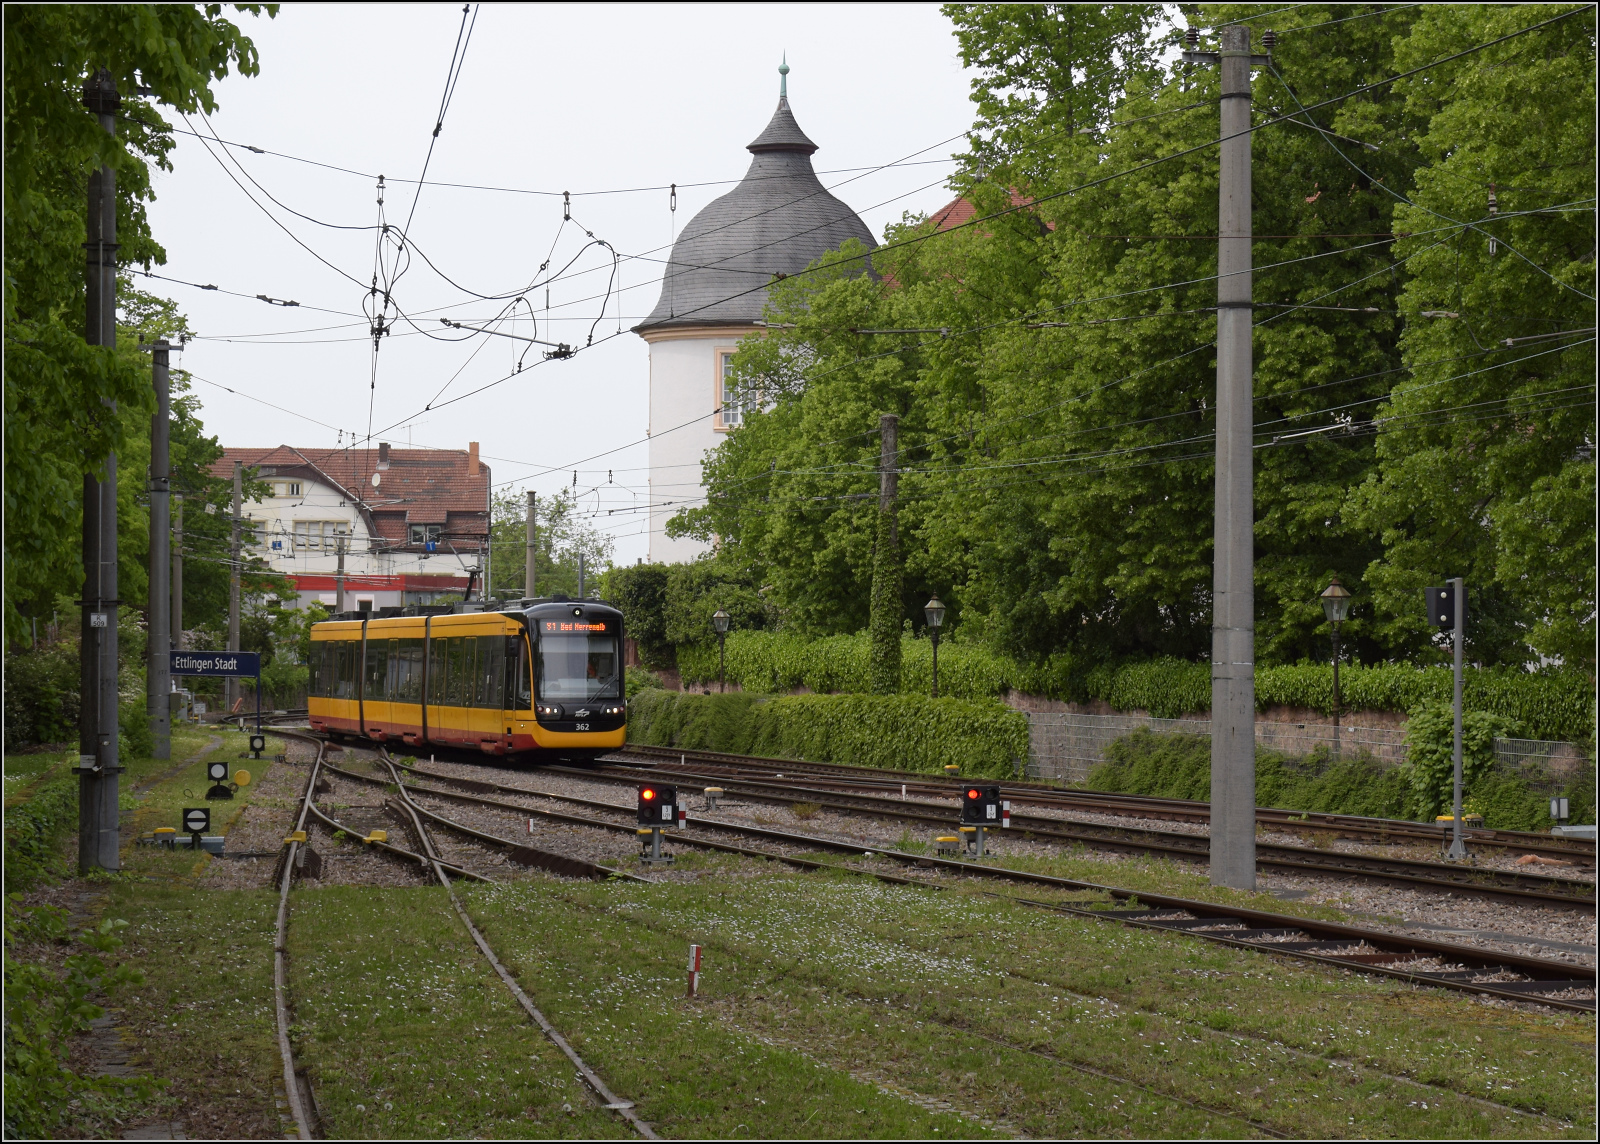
x=616 y=709
x=548 y=710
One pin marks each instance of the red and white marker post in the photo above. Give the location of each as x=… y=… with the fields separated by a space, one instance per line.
x=694 y=970
x=1005 y=815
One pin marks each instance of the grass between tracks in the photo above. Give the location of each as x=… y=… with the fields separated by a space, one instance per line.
x=831 y=1006
x=989 y=1006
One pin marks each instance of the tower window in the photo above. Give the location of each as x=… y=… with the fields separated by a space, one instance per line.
x=732 y=405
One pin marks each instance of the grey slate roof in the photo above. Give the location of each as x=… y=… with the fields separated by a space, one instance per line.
x=778 y=220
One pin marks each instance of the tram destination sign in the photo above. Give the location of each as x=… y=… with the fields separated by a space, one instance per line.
x=224 y=663
x=570 y=627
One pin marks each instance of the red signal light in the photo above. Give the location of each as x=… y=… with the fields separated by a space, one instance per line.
x=972 y=794
x=647 y=794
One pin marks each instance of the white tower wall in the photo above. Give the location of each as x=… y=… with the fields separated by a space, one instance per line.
x=685 y=422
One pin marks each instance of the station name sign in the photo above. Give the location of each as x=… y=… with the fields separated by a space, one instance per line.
x=226 y=663
x=562 y=627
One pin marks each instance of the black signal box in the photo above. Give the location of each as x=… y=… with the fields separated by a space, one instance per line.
x=1442 y=606
x=658 y=804
x=980 y=805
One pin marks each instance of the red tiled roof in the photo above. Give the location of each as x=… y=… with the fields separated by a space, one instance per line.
x=959 y=211
x=432 y=486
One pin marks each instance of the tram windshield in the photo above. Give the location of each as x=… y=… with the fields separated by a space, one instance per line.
x=583 y=667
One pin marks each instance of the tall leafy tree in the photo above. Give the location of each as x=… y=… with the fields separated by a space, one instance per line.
x=1055 y=368
x=67 y=404
x=1486 y=455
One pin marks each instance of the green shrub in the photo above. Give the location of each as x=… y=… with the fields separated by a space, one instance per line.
x=35 y=829
x=41 y=695
x=899 y=732
x=1430 y=754
x=1552 y=704
x=1179 y=766
x=282 y=680
x=694 y=722
x=136 y=740
x=640 y=679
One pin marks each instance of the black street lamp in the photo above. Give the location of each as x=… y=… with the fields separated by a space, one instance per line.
x=1336 y=606
x=935 y=613
x=719 y=620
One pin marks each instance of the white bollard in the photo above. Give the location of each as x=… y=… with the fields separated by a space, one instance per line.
x=694 y=970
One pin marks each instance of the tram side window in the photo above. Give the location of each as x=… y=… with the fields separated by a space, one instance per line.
x=519 y=684
x=460 y=687
x=314 y=670
x=377 y=672
x=408 y=682
x=391 y=658
x=438 y=669
x=349 y=657
x=490 y=675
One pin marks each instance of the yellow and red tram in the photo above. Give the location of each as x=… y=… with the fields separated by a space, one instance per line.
x=541 y=680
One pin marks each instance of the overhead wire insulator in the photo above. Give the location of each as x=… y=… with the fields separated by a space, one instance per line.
x=566 y=206
x=1494 y=209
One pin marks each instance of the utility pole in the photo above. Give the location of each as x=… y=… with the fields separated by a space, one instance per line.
x=530 y=572
x=884 y=623
x=1233 y=685
x=158 y=675
x=233 y=578
x=1458 y=842
x=99 y=836
x=581 y=596
x=177 y=577
x=338 y=579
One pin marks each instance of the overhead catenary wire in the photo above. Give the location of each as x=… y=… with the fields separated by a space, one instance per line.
x=1369 y=86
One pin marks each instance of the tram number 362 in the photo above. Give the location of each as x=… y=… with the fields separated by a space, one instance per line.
x=583 y=726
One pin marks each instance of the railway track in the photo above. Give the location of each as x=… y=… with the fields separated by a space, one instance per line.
x=301 y=1104
x=1442 y=964
x=842 y=777
x=1498 y=885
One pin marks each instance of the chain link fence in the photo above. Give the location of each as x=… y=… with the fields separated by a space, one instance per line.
x=1064 y=746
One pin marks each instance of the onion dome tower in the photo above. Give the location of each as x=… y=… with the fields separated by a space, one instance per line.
x=776 y=222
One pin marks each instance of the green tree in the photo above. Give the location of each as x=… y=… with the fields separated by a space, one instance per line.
x=1057 y=411
x=1486 y=448
x=640 y=591
x=61 y=392
x=564 y=533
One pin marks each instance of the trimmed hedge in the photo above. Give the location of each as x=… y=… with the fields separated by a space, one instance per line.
x=893 y=732
x=1179 y=766
x=1552 y=704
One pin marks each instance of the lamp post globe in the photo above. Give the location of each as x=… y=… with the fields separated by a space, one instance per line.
x=934 y=611
x=1336 y=606
x=719 y=621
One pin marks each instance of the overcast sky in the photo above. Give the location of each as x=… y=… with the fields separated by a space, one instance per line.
x=550 y=98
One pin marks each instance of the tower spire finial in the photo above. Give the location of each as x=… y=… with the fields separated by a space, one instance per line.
x=783 y=77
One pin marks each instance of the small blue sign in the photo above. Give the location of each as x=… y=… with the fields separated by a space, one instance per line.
x=215 y=663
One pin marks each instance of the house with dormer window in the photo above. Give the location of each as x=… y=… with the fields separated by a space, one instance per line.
x=412 y=525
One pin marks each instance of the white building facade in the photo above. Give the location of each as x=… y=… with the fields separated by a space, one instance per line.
x=413 y=523
x=777 y=221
